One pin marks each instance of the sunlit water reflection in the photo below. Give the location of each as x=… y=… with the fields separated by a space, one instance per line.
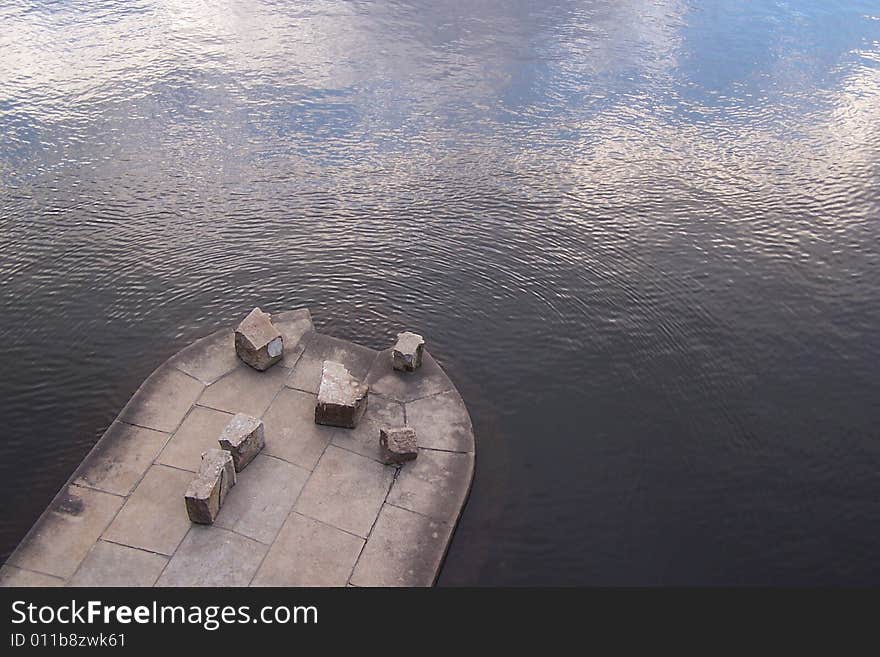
x=642 y=237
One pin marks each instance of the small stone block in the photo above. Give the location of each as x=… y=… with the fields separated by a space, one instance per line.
x=342 y=399
x=206 y=492
x=258 y=342
x=407 y=353
x=399 y=444
x=243 y=437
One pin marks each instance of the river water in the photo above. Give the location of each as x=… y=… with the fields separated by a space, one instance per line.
x=641 y=236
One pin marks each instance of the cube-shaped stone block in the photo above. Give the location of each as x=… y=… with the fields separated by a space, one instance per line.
x=258 y=342
x=205 y=494
x=399 y=444
x=407 y=353
x=243 y=437
x=342 y=399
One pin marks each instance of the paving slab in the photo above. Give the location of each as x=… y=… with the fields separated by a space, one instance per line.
x=20 y=577
x=309 y=502
x=209 y=358
x=318 y=348
x=198 y=432
x=435 y=484
x=163 y=400
x=364 y=439
x=293 y=324
x=245 y=390
x=346 y=490
x=309 y=553
x=212 y=556
x=154 y=516
x=405 y=549
x=120 y=458
x=290 y=429
x=429 y=379
x=441 y=422
x=109 y=564
x=66 y=532
x=262 y=498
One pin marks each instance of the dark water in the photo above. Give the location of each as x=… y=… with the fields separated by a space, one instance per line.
x=641 y=236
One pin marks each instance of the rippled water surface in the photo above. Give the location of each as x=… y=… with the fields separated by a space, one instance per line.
x=642 y=237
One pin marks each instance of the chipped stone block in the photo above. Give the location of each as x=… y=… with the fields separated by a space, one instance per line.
x=342 y=399
x=243 y=437
x=258 y=342
x=206 y=492
x=398 y=444
x=407 y=353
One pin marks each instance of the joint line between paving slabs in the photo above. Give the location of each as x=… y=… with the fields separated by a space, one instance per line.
x=153 y=463
x=373 y=526
x=38 y=572
x=287 y=517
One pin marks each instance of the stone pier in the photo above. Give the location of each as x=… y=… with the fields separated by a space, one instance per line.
x=316 y=507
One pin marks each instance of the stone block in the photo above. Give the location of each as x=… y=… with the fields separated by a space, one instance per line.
x=342 y=399
x=364 y=439
x=206 y=492
x=243 y=437
x=258 y=342
x=398 y=444
x=406 y=356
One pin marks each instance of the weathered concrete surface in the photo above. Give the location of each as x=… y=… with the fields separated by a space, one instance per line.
x=428 y=380
x=346 y=491
x=154 y=517
x=197 y=433
x=211 y=556
x=264 y=495
x=110 y=564
x=315 y=507
x=309 y=553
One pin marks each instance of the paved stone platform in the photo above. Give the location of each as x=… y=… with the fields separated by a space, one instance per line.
x=317 y=507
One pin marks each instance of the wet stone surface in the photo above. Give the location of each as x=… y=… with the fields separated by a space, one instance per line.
x=316 y=506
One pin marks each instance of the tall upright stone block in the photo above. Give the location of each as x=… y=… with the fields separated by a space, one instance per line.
x=205 y=494
x=243 y=438
x=407 y=353
x=258 y=342
x=342 y=399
